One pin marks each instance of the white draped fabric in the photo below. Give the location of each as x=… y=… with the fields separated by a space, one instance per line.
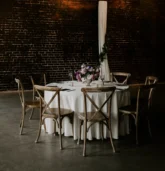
x=102 y=26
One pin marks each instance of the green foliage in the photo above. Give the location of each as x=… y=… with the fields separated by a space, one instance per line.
x=103 y=53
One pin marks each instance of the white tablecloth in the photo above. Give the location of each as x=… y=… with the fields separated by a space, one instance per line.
x=74 y=100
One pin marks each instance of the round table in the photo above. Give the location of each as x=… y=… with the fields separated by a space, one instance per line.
x=72 y=98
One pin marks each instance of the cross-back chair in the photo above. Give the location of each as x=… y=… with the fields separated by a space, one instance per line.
x=134 y=87
x=120 y=77
x=26 y=105
x=151 y=80
x=47 y=111
x=142 y=107
x=97 y=114
x=35 y=96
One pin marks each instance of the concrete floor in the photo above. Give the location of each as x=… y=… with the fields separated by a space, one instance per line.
x=20 y=153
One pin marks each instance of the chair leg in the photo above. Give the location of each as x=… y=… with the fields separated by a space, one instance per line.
x=79 y=136
x=73 y=125
x=60 y=136
x=44 y=125
x=85 y=137
x=39 y=131
x=149 y=127
x=54 y=127
x=31 y=114
x=111 y=140
x=22 y=121
x=102 y=132
x=137 y=138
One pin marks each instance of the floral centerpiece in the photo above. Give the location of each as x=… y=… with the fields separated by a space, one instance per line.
x=87 y=72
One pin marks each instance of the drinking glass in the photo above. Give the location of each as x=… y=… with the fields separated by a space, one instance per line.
x=70 y=74
x=102 y=77
x=88 y=81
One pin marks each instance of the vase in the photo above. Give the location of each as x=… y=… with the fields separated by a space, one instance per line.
x=88 y=81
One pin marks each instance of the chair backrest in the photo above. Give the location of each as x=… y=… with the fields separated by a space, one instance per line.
x=144 y=98
x=151 y=80
x=44 y=75
x=120 y=77
x=42 y=80
x=20 y=91
x=46 y=104
x=98 y=109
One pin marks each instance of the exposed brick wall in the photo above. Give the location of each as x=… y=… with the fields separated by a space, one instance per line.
x=57 y=36
x=136 y=38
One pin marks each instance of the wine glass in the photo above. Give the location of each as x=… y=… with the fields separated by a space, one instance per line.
x=71 y=77
x=70 y=74
x=102 y=77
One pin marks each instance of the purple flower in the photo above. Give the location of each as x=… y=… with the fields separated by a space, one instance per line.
x=83 y=66
x=93 y=77
x=87 y=72
x=78 y=77
x=90 y=69
x=83 y=71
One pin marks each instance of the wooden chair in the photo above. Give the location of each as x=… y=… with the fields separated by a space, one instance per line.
x=35 y=96
x=96 y=115
x=151 y=80
x=141 y=108
x=134 y=87
x=26 y=105
x=120 y=77
x=56 y=113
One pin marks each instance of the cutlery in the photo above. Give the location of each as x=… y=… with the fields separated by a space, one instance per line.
x=66 y=89
x=52 y=86
x=70 y=90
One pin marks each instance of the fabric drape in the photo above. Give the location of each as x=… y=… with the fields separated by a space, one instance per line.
x=102 y=27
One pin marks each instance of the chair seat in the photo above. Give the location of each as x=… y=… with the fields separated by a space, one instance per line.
x=32 y=104
x=90 y=116
x=53 y=112
x=128 y=109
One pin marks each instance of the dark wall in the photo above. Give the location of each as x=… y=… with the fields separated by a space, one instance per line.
x=136 y=37
x=57 y=36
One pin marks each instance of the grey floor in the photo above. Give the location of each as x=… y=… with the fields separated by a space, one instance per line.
x=20 y=153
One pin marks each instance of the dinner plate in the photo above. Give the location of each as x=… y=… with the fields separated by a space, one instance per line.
x=107 y=81
x=122 y=87
x=120 y=84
